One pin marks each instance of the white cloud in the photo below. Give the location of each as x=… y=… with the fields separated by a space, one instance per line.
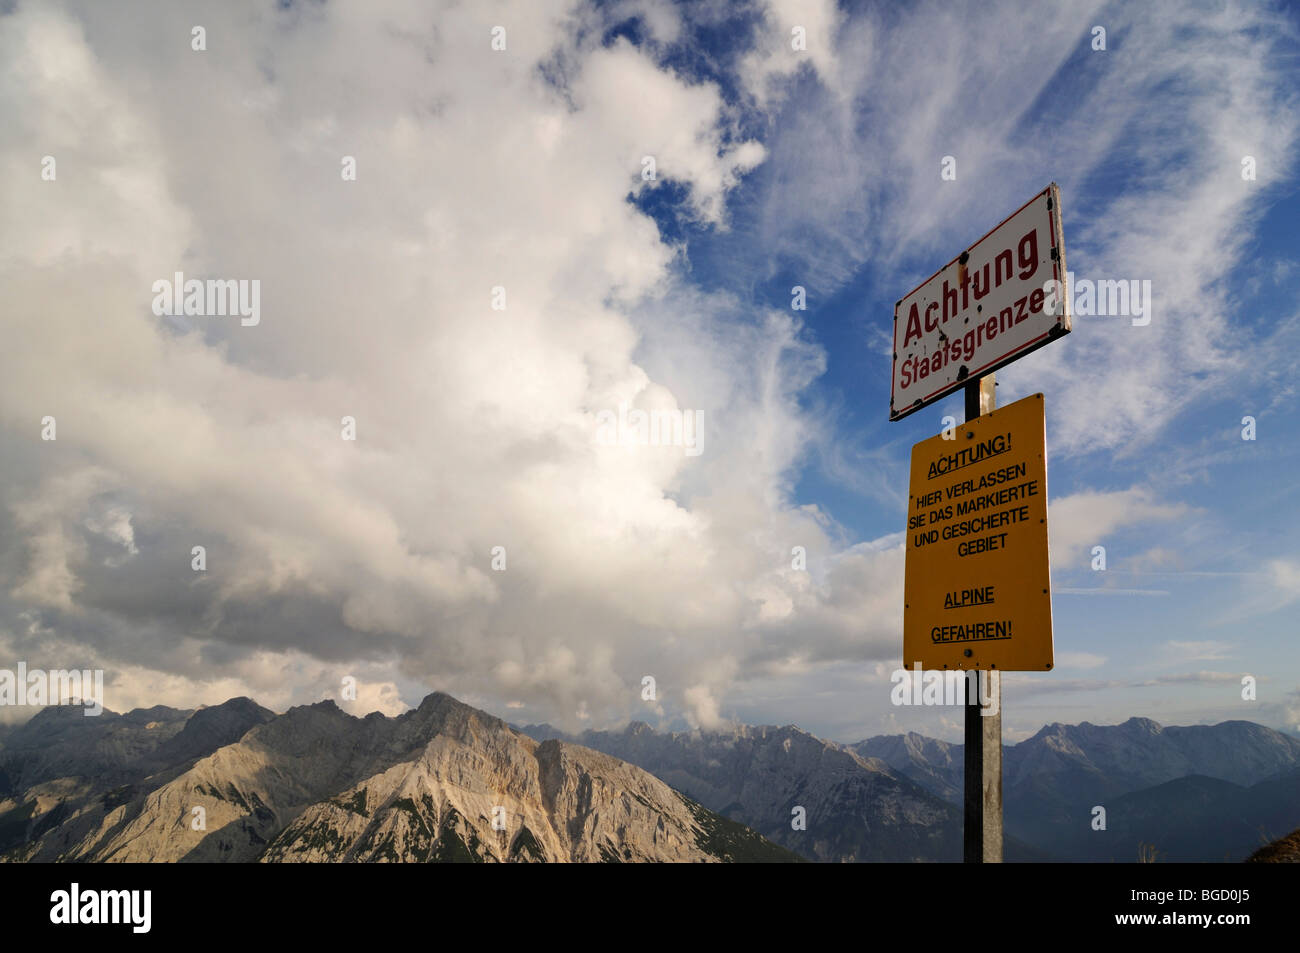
x=1197 y=651
x=1068 y=660
x=1192 y=677
x=1145 y=139
x=1291 y=710
x=383 y=697
x=1080 y=521
x=775 y=56
x=475 y=427
x=1284 y=575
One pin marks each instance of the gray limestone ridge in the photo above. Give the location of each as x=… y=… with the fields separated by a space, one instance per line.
x=1196 y=792
x=1199 y=793
x=854 y=808
x=317 y=784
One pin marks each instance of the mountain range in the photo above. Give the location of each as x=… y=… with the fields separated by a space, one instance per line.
x=236 y=782
x=1198 y=793
x=447 y=782
x=854 y=807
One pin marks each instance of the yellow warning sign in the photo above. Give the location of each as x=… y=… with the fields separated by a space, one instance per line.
x=976 y=592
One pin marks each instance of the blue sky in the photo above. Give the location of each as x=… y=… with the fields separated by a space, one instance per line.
x=1187 y=603
x=499 y=280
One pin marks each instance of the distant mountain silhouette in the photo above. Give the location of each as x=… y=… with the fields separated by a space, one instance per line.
x=855 y=808
x=435 y=783
x=1206 y=793
x=1202 y=792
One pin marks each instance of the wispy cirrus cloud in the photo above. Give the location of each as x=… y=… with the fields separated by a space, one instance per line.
x=1197 y=651
x=1155 y=195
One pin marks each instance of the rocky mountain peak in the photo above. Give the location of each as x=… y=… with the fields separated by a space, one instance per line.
x=441 y=782
x=1144 y=725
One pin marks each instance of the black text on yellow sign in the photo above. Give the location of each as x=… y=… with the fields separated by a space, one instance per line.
x=976 y=592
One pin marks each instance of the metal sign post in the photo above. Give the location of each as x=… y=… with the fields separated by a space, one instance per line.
x=977 y=586
x=982 y=826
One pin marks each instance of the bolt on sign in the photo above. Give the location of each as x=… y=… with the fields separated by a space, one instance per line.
x=976 y=593
x=998 y=300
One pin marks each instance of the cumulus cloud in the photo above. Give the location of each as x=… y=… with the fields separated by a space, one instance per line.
x=476 y=427
x=790 y=36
